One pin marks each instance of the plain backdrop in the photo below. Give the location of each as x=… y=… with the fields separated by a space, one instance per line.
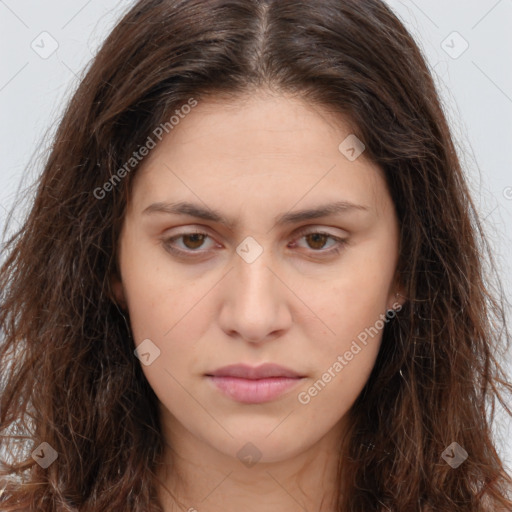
x=45 y=46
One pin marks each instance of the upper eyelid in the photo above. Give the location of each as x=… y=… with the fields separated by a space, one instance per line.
x=313 y=228
x=300 y=232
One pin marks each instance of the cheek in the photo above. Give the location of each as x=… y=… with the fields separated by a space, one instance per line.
x=167 y=309
x=344 y=360
x=355 y=301
x=153 y=293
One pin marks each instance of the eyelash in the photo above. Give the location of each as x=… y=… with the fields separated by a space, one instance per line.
x=340 y=243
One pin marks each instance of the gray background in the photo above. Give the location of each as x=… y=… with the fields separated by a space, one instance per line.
x=467 y=44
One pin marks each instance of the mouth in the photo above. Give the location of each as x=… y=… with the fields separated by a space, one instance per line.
x=253 y=385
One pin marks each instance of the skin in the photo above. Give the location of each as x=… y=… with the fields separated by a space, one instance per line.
x=252 y=159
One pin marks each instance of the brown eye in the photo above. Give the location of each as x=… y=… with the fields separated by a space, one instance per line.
x=317 y=240
x=187 y=244
x=193 y=244
x=195 y=240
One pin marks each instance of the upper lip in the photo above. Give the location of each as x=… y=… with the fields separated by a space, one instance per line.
x=263 y=371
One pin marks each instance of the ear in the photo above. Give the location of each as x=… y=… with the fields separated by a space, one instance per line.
x=397 y=297
x=118 y=290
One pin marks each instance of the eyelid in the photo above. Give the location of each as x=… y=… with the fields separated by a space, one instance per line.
x=314 y=228
x=189 y=231
x=301 y=232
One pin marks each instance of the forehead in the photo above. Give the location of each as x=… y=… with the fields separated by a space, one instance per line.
x=278 y=149
x=263 y=123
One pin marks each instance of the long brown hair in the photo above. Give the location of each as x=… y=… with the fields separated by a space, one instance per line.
x=68 y=372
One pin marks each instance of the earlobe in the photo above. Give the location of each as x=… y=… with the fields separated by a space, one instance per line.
x=118 y=292
x=398 y=297
x=399 y=300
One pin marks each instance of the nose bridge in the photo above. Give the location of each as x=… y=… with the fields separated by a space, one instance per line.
x=255 y=282
x=254 y=307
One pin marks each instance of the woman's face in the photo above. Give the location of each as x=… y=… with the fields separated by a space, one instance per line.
x=258 y=282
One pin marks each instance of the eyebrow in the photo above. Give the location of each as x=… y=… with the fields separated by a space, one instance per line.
x=201 y=212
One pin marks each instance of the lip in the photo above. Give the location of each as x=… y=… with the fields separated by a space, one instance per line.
x=243 y=371
x=254 y=385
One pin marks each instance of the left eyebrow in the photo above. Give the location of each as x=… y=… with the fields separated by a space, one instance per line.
x=201 y=212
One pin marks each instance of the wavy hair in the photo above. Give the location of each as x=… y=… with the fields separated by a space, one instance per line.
x=67 y=368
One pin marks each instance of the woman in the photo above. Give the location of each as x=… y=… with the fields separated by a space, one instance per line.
x=252 y=277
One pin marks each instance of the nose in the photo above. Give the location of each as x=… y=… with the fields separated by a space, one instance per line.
x=255 y=301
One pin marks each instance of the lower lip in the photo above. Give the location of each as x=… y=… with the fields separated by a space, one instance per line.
x=251 y=391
